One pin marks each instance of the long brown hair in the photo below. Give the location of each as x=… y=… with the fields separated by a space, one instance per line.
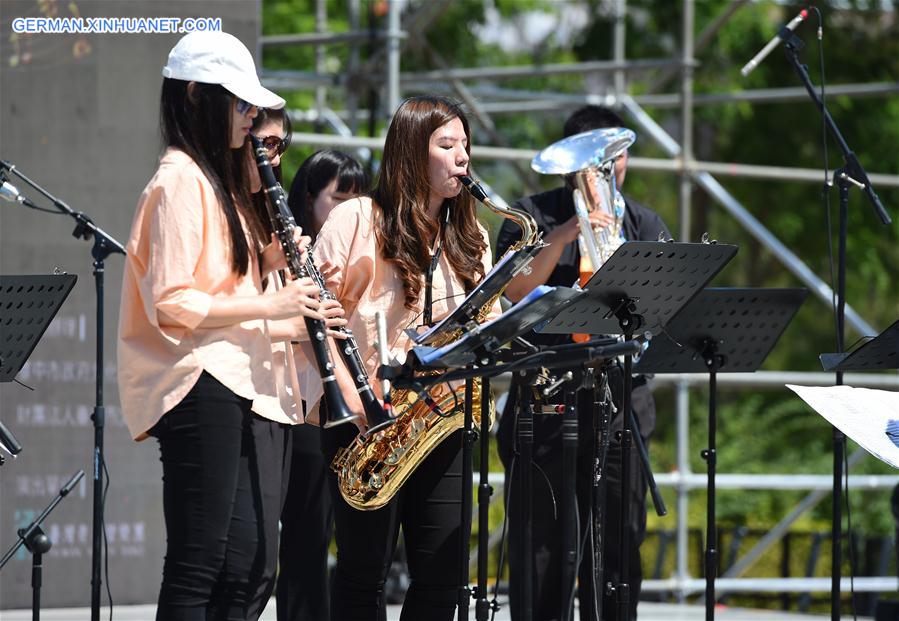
x=401 y=193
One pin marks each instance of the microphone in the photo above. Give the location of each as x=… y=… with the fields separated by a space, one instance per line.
x=773 y=43
x=8 y=441
x=11 y=193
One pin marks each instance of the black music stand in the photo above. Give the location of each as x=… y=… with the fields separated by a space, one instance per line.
x=640 y=288
x=882 y=352
x=720 y=330
x=27 y=306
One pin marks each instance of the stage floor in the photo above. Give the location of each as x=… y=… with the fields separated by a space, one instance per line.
x=648 y=611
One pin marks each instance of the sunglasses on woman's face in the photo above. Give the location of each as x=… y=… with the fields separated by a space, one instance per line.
x=274 y=145
x=243 y=106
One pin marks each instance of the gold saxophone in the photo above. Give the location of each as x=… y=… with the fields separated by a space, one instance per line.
x=374 y=467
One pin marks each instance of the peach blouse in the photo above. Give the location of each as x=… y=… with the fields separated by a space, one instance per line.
x=178 y=260
x=347 y=256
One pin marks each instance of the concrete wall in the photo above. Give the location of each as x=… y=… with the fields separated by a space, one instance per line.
x=79 y=115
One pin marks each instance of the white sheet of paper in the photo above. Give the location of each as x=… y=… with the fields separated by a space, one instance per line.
x=860 y=413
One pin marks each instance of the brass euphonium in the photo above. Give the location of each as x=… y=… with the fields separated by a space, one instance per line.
x=374 y=467
x=596 y=189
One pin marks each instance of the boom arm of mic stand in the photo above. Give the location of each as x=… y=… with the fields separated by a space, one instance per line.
x=84 y=228
x=853 y=166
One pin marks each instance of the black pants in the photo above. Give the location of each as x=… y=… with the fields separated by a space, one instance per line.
x=428 y=507
x=546 y=513
x=305 y=532
x=222 y=491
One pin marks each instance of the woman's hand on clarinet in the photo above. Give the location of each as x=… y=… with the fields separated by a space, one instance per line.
x=273 y=254
x=297 y=298
x=334 y=318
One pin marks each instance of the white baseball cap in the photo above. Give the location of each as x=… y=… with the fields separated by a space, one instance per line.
x=215 y=57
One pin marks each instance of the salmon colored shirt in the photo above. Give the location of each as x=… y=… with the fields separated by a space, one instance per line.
x=347 y=256
x=179 y=259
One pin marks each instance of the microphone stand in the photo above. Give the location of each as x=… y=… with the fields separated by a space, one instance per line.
x=851 y=173
x=36 y=541
x=103 y=245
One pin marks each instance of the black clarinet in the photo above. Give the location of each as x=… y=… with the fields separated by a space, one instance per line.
x=377 y=417
x=283 y=226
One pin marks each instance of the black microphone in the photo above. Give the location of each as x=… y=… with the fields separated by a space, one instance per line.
x=8 y=441
x=773 y=43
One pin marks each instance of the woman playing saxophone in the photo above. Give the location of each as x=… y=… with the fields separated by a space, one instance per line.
x=412 y=250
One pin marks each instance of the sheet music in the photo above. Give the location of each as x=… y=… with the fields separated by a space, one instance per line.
x=861 y=413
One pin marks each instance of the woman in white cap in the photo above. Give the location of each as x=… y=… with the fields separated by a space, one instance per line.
x=197 y=366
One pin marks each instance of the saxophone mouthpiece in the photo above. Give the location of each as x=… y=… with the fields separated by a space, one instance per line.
x=473 y=187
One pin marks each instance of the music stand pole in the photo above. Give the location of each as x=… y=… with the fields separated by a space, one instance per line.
x=622 y=589
x=569 y=508
x=713 y=363
x=482 y=606
x=465 y=526
x=602 y=418
x=525 y=481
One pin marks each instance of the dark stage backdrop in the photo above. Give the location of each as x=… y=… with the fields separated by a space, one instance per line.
x=79 y=115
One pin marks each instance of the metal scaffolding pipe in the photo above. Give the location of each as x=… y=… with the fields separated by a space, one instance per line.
x=394 y=34
x=704 y=38
x=618 y=43
x=634 y=163
x=318 y=38
x=536 y=101
x=682 y=572
x=771 y=95
x=777 y=379
x=685 y=187
x=782 y=482
x=862 y=584
x=524 y=71
x=321 y=24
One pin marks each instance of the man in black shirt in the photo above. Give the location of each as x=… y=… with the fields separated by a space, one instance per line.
x=558 y=264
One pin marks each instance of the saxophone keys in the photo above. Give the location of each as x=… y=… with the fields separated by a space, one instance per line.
x=375 y=481
x=395 y=455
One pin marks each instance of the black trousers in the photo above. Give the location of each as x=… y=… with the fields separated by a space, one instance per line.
x=302 y=592
x=546 y=513
x=428 y=508
x=222 y=470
